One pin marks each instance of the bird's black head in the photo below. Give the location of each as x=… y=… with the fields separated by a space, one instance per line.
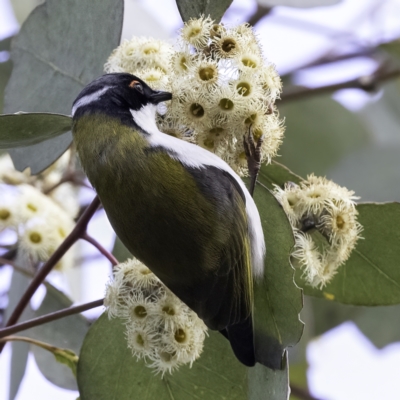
x=117 y=94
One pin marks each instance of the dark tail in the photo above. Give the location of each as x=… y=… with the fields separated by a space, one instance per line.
x=241 y=338
x=251 y=347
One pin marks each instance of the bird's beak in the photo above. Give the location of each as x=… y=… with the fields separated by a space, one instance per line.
x=158 y=96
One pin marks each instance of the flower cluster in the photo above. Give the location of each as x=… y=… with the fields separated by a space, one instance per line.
x=222 y=87
x=159 y=328
x=41 y=222
x=324 y=219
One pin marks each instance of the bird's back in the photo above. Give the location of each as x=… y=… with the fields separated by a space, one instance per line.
x=174 y=219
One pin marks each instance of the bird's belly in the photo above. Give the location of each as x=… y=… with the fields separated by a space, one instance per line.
x=164 y=221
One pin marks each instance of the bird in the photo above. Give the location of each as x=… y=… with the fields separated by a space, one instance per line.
x=177 y=207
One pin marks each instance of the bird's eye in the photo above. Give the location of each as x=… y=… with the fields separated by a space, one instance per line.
x=137 y=86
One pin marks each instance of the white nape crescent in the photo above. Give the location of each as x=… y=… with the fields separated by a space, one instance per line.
x=196 y=157
x=90 y=98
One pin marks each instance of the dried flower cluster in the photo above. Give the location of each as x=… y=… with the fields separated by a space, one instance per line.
x=41 y=222
x=221 y=86
x=160 y=328
x=320 y=207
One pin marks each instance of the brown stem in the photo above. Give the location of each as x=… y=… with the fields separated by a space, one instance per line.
x=367 y=83
x=259 y=14
x=101 y=249
x=76 y=233
x=44 y=319
x=49 y=317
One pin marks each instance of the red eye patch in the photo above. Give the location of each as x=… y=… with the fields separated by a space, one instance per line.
x=133 y=83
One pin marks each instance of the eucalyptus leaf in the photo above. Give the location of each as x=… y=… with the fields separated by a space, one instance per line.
x=39 y=156
x=265 y=383
x=297 y=3
x=24 y=129
x=61 y=47
x=380 y=324
x=319 y=133
x=5 y=44
x=278 y=301
x=119 y=251
x=371 y=276
x=277 y=174
x=19 y=351
x=66 y=333
x=194 y=8
x=5 y=73
x=107 y=369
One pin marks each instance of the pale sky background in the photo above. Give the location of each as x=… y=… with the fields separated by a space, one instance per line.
x=344 y=365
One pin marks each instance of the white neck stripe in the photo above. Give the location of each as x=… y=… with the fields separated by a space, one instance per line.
x=192 y=155
x=90 y=98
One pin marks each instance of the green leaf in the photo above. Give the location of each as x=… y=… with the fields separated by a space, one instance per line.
x=371 y=276
x=63 y=356
x=61 y=48
x=67 y=332
x=119 y=251
x=107 y=370
x=297 y=3
x=39 y=156
x=278 y=301
x=24 y=129
x=19 y=351
x=265 y=383
x=5 y=73
x=194 y=8
x=319 y=133
x=380 y=324
x=276 y=174
x=68 y=358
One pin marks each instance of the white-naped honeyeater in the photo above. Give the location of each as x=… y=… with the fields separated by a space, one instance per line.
x=178 y=208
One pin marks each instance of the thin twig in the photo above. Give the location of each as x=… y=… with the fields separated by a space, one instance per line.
x=76 y=233
x=259 y=14
x=49 y=317
x=367 y=83
x=101 y=249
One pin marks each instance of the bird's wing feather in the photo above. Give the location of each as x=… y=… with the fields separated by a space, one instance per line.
x=227 y=290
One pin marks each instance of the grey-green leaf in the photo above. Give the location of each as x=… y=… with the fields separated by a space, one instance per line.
x=20 y=351
x=194 y=8
x=39 y=156
x=298 y=3
x=319 y=133
x=278 y=301
x=276 y=174
x=371 y=276
x=61 y=47
x=107 y=369
x=265 y=383
x=24 y=129
x=66 y=333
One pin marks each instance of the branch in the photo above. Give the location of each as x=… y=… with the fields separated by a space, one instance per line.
x=76 y=233
x=366 y=83
x=259 y=14
x=49 y=317
x=101 y=249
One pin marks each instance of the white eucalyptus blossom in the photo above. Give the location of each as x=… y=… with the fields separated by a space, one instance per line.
x=318 y=208
x=160 y=328
x=222 y=87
